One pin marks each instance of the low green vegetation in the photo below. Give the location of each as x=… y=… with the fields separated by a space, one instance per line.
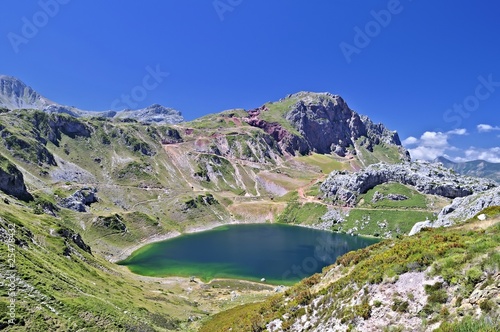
x=381 y=152
x=490 y=212
x=276 y=111
x=470 y=324
x=411 y=199
x=314 y=190
x=326 y=163
x=5 y=164
x=387 y=153
x=379 y=263
x=61 y=287
x=302 y=213
x=381 y=222
x=223 y=120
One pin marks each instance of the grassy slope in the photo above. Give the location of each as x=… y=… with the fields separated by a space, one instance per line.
x=83 y=291
x=326 y=163
x=389 y=218
x=59 y=293
x=463 y=258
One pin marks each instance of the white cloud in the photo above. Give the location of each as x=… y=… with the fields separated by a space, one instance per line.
x=484 y=128
x=460 y=132
x=410 y=141
x=434 y=139
x=492 y=154
x=432 y=144
x=425 y=153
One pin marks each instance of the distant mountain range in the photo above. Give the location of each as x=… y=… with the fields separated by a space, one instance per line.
x=477 y=168
x=14 y=94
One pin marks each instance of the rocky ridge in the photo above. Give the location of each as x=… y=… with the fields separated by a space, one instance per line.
x=478 y=168
x=12 y=180
x=323 y=123
x=80 y=199
x=152 y=114
x=14 y=94
x=428 y=178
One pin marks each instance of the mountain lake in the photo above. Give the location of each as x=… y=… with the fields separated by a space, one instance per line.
x=281 y=254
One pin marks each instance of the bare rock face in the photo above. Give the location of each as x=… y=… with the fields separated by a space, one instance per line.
x=287 y=141
x=51 y=126
x=152 y=114
x=80 y=200
x=377 y=196
x=427 y=178
x=12 y=181
x=14 y=94
x=76 y=238
x=325 y=124
x=329 y=126
x=462 y=208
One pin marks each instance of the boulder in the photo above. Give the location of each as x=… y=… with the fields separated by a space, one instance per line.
x=80 y=199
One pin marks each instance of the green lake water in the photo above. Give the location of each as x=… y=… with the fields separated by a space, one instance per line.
x=281 y=254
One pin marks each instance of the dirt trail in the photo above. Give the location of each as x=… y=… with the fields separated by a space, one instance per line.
x=310 y=199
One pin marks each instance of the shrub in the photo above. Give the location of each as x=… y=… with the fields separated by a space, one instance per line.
x=363 y=310
x=469 y=324
x=486 y=305
x=399 y=305
x=473 y=275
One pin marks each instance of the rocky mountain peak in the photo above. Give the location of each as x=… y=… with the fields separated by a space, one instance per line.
x=326 y=122
x=15 y=94
x=153 y=114
x=328 y=125
x=308 y=96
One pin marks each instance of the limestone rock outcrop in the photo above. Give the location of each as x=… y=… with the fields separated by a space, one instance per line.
x=12 y=181
x=80 y=199
x=461 y=209
x=345 y=187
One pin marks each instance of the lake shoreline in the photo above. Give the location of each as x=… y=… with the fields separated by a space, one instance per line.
x=126 y=252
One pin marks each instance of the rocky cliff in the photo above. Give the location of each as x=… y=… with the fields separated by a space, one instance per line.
x=12 y=180
x=428 y=178
x=322 y=122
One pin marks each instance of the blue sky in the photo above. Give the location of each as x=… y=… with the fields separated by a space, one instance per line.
x=428 y=69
